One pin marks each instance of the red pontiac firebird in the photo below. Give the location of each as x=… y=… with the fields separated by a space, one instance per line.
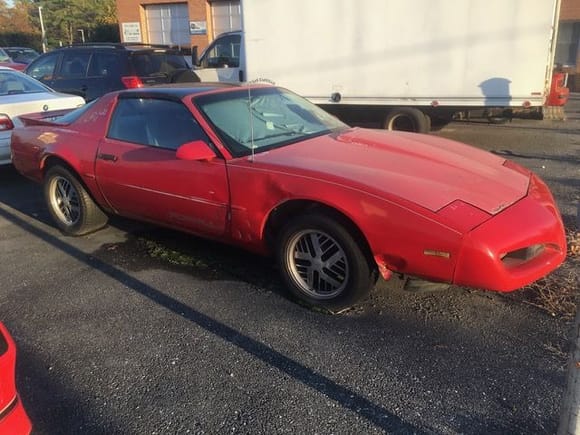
x=260 y=167
x=13 y=418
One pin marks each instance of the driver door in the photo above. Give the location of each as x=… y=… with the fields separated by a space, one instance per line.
x=140 y=176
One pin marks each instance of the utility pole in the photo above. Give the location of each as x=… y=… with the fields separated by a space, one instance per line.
x=42 y=31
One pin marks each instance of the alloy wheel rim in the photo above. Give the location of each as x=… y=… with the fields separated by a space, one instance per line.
x=317 y=264
x=65 y=201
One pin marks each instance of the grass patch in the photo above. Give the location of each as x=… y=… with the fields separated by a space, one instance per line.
x=157 y=250
x=557 y=293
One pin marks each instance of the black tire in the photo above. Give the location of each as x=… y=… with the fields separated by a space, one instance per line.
x=335 y=284
x=407 y=119
x=70 y=205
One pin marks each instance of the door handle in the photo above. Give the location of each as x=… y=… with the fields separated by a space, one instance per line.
x=108 y=157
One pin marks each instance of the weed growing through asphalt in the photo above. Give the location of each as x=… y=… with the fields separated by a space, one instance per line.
x=557 y=293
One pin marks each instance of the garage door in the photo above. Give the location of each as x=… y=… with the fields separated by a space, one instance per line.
x=168 y=24
x=226 y=16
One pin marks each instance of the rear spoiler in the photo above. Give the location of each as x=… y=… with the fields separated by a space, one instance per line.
x=43 y=118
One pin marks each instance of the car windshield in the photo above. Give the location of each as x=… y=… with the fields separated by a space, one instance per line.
x=13 y=82
x=264 y=118
x=22 y=54
x=154 y=64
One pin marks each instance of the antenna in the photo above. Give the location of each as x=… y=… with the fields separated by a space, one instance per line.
x=251 y=123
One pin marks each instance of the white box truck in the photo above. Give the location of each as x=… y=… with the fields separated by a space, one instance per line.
x=408 y=61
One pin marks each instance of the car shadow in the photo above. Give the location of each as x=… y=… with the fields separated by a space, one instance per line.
x=424 y=342
x=346 y=397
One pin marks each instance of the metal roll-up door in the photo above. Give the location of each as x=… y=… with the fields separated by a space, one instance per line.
x=168 y=24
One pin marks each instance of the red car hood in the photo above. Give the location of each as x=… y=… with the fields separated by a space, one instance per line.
x=427 y=170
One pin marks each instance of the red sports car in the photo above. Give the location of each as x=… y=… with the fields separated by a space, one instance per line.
x=13 y=418
x=260 y=167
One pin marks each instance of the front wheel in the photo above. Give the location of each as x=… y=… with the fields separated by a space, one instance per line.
x=322 y=263
x=70 y=205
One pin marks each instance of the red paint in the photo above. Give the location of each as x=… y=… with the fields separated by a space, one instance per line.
x=13 y=416
x=197 y=150
x=559 y=93
x=14 y=65
x=406 y=193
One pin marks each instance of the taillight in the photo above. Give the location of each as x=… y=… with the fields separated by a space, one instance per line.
x=5 y=122
x=131 y=82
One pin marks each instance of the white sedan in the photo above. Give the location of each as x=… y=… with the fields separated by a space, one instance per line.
x=21 y=94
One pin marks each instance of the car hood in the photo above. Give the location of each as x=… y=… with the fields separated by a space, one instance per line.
x=427 y=170
x=20 y=104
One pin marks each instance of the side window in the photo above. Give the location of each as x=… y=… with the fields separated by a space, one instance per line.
x=104 y=65
x=74 y=65
x=224 y=53
x=155 y=122
x=43 y=68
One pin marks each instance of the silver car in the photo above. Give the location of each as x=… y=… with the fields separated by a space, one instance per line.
x=21 y=94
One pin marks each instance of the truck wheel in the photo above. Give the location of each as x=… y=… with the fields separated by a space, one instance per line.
x=322 y=264
x=70 y=205
x=407 y=119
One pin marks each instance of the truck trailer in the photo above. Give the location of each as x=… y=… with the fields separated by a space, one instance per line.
x=410 y=62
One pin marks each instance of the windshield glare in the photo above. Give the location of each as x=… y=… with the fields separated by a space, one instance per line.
x=264 y=118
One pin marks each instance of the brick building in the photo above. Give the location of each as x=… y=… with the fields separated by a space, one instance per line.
x=185 y=23
x=568 y=48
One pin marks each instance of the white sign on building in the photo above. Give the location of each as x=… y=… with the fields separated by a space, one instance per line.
x=131 y=32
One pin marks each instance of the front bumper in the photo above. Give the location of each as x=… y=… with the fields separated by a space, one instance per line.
x=518 y=246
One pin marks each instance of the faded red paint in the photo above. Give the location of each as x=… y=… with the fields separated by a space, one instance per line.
x=407 y=194
x=13 y=418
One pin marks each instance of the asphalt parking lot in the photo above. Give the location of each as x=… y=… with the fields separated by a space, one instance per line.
x=115 y=337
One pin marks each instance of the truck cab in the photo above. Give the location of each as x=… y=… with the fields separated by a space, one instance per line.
x=222 y=60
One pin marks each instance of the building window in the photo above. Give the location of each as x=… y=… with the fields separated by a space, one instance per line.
x=568 y=43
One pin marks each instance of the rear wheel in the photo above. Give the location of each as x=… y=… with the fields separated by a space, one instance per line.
x=407 y=119
x=322 y=264
x=72 y=208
